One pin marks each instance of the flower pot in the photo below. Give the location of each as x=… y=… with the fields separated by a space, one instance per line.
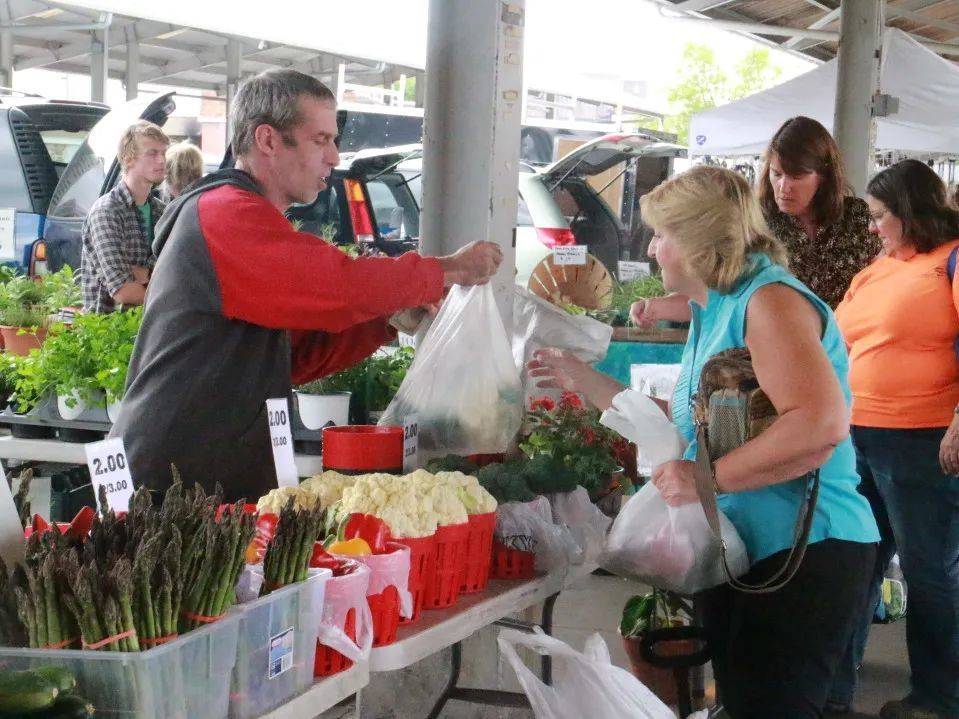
x=662 y=681
x=21 y=344
x=113 y=410
x=323 y=410
x=67 y=412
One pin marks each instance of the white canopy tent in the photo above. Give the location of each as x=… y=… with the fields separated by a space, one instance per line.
x=927 y=120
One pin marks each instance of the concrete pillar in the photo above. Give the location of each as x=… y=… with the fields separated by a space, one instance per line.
x=859 y=43
x=471 y=134
x=132 y=75
x=233 y=70
x=99 y=67
x=420 y=89
x=6 y=58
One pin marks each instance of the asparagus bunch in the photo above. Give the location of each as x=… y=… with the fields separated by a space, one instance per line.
x=213 y=563
x=288 y=554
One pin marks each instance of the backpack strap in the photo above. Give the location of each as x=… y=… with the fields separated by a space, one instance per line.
x=951 y=263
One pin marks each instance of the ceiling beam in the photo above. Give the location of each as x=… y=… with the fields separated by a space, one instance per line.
x=699 y=5
x=800 y=44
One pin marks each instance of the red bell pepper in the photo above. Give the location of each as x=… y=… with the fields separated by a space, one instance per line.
x=372 y=530
x=339 y=567
x=82 y=524
x=265 y=529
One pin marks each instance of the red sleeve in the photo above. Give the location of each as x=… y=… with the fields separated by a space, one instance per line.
x=317 y=354
x=273 y=276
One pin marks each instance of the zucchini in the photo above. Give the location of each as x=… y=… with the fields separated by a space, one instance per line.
x=64 y=680
x=67 y=706
x=22 y=692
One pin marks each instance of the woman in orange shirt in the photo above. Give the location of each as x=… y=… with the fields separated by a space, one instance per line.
x=900 y=323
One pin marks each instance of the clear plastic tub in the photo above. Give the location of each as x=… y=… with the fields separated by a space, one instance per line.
x=277 y=647
x=187 y=678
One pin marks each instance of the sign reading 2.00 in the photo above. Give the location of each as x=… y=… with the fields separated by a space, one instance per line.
x=110 y=471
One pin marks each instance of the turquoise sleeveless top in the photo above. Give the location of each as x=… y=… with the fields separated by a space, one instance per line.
x=766 y=518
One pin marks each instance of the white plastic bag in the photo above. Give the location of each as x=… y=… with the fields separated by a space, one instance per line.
x=391 y=570
x=671 y=547
x=585 y=684
x=586 y=523
x=529 y=527
x=463 y=386
x=343 y=594
x=538 y=323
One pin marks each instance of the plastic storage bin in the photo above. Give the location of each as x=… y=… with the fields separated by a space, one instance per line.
x=479 y=553
x=277 y=646
x=187 y=678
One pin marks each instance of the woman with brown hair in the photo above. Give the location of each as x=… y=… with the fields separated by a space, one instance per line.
x=900 y=321
x=809 y=208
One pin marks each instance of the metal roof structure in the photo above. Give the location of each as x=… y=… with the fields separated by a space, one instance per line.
x=811 y=27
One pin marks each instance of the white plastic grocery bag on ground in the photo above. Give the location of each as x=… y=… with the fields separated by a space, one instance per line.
x=343 y=594
x=529 y=527
x=585 y=684
x=667 y=547
x=463 y=386
x=586 y=523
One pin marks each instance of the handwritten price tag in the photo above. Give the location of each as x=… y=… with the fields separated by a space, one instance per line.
x=411 y=443
x=281 y=439
x=109 y=469
x=629 y=271
x=569 y=255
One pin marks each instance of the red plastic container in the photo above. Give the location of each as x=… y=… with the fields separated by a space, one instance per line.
x=422 y=569
x=385 y=608
x=511 y=563
x=329 y=661
x=479 y=553
x=358 y=449
x=444 y=590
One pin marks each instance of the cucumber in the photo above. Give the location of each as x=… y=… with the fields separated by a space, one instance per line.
x=22 y=692
x=64 y=680
x=67 y=706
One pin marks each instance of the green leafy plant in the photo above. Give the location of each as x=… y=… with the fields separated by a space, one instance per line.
x=384 y=375
x=28 y=302
x=656 y=610
x=570 y=433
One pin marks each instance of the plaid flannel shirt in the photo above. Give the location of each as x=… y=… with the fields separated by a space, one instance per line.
x=114 y=240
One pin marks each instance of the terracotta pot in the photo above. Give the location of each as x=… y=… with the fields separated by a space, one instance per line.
x=660 y=681
x=21 y=344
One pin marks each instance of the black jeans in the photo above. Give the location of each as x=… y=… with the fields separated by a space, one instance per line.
x=774 y=655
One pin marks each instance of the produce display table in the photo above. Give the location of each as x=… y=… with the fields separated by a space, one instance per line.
x=53 y=450
x=325 y=694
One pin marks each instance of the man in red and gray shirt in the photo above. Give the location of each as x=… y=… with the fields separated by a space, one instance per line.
x=240 y=304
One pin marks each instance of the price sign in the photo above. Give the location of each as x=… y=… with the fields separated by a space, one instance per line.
x=107 y=461
x=629 y=271
x=281 y=439
x=8 y=250
x=411 y=443
x=569 y=255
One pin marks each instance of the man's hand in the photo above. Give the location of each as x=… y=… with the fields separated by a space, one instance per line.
x=949 y=449
x=472 y=265
x=141 y=275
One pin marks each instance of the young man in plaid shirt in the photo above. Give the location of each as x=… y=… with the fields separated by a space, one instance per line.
x=117 y=235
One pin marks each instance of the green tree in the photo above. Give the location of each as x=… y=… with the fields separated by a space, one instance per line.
x=704 y=84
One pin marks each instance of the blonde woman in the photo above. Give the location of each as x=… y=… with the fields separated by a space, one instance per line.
x=184 y=166
x=773 y=654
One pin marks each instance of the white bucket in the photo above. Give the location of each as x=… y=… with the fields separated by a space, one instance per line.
x=70 y=413
x=323 y=410
x=113 y=410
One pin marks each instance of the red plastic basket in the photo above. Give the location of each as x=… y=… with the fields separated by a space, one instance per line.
x=511 y=563
x=422 y=568
x=329 y=661
x=479 y=553
x=444 y=590
x=385 y=608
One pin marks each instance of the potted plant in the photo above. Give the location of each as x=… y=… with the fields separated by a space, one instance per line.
x=30 y=387
x=659 y=610
x=112 y=338
x=326 y=402
x=571 y=433
x=26 y=306
x=385 y=372
x=68 y=364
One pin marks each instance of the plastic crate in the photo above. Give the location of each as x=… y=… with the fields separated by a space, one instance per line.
x=329 y=661
x=511 y=563
x=479 y=553
x=187 y=678
x=444 y=590
x=385 y=610
x=276 y=647
x=422 y=569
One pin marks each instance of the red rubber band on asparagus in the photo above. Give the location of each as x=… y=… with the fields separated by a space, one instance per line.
x=109 y=640
x=60 y=645
x=202 y=618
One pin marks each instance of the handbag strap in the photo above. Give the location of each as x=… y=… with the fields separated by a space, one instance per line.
x=706 y=489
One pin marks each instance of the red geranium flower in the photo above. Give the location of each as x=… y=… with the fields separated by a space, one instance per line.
x=544 y=403
x=570 y=400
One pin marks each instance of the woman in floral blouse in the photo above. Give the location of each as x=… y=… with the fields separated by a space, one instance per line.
x=805 y=201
